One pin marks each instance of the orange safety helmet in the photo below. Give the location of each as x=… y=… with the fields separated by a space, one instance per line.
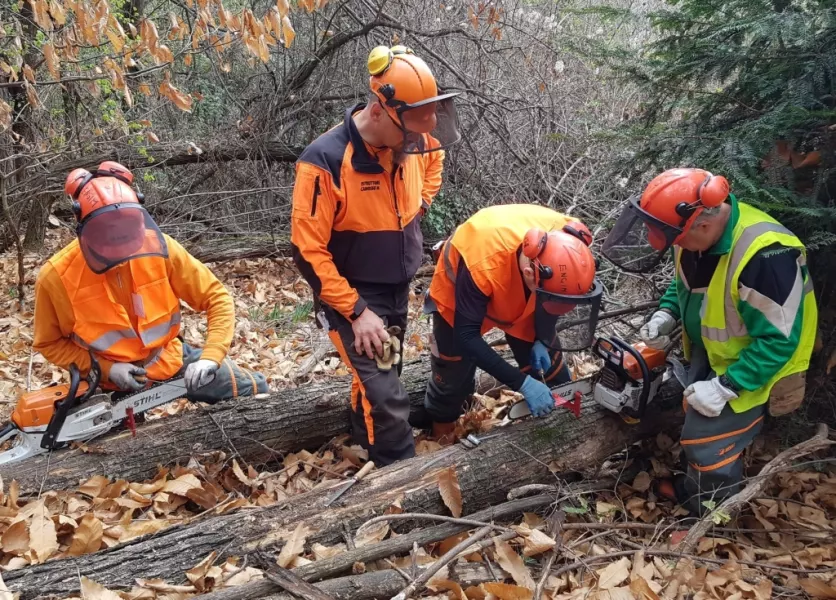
x=408 y=92
x=111 y=223
x=664 y=213
x=568 y=294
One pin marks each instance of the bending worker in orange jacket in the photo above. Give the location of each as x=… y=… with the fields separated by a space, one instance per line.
x=116 y=291
x=360 y=192
x=526 y=270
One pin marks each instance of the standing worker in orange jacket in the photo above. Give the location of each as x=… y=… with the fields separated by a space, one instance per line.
x=526 y=270
x=116 y=290
x=360 y=192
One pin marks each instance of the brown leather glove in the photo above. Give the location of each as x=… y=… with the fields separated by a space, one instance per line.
x=391 y=350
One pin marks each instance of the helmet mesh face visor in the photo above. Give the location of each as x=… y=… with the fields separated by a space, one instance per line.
x=118 y=233
x=430 y=126
x=567 y=322
x=638 y=241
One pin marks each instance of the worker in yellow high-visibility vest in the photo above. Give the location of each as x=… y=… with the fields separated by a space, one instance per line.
x=749 y=316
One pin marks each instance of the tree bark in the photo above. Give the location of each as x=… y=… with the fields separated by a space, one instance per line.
x=258 y=429
x=382 y=585
x=524 y=453
x=33 y=240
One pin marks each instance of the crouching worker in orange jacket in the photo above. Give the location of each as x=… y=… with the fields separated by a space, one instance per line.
x=115 y=291
x=526 y=270
x=361 y=190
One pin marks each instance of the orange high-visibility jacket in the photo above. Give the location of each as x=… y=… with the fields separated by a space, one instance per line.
x=490 y=242
x=131 y=313
x=356 y=217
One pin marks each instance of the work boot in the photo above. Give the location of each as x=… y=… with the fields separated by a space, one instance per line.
x=444 y=433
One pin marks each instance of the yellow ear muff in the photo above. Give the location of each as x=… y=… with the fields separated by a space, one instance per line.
x=379 y=60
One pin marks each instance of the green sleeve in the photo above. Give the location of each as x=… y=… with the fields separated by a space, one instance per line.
x=670 y=301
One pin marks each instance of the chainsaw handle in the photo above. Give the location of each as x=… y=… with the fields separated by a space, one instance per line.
x=94 y=376
x=62 y=409
x=614 y=356
x=645 y=393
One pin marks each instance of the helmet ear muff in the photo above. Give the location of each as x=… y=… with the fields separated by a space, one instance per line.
x=582 y=234
x=714 y=191
x=534 y=242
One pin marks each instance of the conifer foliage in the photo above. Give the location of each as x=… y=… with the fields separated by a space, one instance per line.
x=746 y=88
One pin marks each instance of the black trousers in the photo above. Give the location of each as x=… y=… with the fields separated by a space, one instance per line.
x=453 y=374
x=379 y=402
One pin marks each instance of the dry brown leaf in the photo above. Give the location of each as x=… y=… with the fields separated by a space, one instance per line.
x=43 y=540
x=642 y=482
x=15 y=539
x=294 y=546
x=90 y=590
x=197 y=574
x=614 y=574
x=451 y=492
x=641 y=589
x=504 y=591
x=321 y=552
x=94 y=486
x=372 y=534
x=536 y=542
x=239 y=473
x=513 y=564
x=817 y=588
x=182 y=485
x=87 y=537
x=287 y=31
x=139 y=528
x=456 y=591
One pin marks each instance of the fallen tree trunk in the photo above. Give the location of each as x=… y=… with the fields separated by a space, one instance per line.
x=525 y=452
x=382 y=585
x=257 y=430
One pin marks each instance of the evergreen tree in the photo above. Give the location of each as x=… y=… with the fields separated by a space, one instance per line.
x=745 y=88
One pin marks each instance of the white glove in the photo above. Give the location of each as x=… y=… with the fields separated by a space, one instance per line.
x=708 y=397
x=655 y=332
x=200 y=373
x=122 y=376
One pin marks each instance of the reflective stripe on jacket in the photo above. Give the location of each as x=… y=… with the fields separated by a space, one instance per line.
x=104 y=326
x=722 y=330
x=489 y=242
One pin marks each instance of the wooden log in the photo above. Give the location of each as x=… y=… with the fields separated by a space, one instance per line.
x=524 y=453
x=257 y=430
x=382 y=585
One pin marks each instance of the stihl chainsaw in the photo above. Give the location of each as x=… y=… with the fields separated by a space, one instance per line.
x=55 y=416
x=626 y=384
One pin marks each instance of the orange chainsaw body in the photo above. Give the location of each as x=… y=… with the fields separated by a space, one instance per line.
x=654 y=358
x=35 y=409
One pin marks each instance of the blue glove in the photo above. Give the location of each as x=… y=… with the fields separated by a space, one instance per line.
x=538 y=396
x=541 y=360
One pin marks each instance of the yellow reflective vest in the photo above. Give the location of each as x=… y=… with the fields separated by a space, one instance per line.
x=722 y=329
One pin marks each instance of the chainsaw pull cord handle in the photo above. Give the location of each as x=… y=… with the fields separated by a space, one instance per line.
x=645 y=394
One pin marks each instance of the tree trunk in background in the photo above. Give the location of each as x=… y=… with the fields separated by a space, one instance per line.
x=33 y=241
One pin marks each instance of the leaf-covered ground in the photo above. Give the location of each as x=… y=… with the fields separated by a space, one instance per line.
x=616 y=542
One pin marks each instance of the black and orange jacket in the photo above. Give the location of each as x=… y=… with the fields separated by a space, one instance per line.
x=356 y=218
